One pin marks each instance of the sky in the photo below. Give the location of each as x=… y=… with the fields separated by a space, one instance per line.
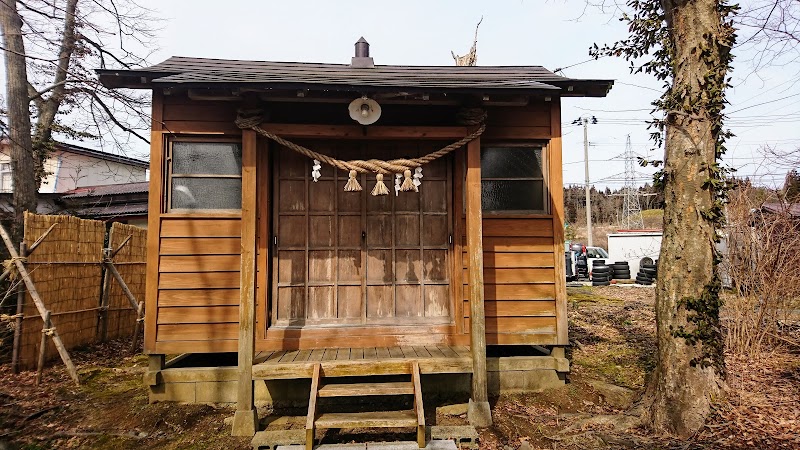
x=765 y=105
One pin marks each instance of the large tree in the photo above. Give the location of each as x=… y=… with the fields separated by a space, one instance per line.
x=51 y=48
x=687 y=44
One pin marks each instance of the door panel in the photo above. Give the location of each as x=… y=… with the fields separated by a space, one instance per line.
x=350 y=258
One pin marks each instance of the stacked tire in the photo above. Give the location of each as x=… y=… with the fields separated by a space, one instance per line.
x=621 y=270
x=647 y=274
x=581 y=269
x=601 y=273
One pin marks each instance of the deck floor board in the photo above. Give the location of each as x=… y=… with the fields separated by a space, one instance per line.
x=295 y=364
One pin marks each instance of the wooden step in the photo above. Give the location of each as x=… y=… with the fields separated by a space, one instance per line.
x=377 y=419
x=363 y=389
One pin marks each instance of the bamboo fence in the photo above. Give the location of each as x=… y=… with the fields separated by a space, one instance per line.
x=67 y=271
x=130 y=262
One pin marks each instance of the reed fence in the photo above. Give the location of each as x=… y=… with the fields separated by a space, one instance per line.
x=71 y=272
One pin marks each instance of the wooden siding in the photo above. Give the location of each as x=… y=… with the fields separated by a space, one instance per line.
x=511 y=123
x=519 y=280
x=182 y=115
x=193 y=268
x=198 y=281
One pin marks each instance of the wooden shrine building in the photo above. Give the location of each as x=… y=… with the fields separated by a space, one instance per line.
x=266 y=241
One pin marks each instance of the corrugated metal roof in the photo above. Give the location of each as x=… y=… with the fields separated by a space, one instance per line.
x=63 y=146
x=183 y=71
x=108 y=189
x=112 y=210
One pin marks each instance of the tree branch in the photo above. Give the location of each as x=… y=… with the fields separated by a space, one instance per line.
x=34 y=96
x=47 y=113
x=111 y=116
x=37 y=95
x=103 y=51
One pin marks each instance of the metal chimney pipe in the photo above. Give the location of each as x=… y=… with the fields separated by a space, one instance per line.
x=362 y=48
x=362 y=59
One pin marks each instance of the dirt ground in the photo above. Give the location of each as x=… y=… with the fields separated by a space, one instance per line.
x=612 y=331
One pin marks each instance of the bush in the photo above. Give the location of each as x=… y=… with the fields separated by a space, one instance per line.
x=762 y=266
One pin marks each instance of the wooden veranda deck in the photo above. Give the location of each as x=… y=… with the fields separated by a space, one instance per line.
x=339 y=362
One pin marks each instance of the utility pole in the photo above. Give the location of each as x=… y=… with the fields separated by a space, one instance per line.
x=585 y=121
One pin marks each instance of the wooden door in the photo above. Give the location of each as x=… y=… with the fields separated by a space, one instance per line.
x=350 y=258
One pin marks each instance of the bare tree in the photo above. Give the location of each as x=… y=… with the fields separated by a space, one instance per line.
x=19 y=120
x=771 y=30
x=51 y=49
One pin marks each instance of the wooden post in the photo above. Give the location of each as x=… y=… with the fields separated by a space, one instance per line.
x=155 y=204
x=18 y=323
x=311 y=417
x=479 y=412
x=245 y=420
x=556 y=190
x=5 y=274
x=103 y=325
x=136 y=327
x=37 y=300
x=43 y=347
x=115 y=273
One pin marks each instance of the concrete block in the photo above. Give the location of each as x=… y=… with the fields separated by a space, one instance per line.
x=392 y=446
x=432 y=445
x=271 y=440
x=479 y=414
x=245 y=423
x=441 y=445
x=219 y=392
x=514 y=381
x=453 y=410
x=464 y=435
x=152 y=378
x=325 y=447
x=173 y=392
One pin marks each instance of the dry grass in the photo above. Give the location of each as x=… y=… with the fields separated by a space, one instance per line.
x=108 y=411
x=613 y=337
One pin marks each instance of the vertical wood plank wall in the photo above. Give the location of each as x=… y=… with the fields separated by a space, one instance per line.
x=195 y=259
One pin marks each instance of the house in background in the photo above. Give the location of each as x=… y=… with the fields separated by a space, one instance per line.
x=126 y=203
x=70 y=167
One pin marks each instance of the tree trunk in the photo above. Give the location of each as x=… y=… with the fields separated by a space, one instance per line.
x=690 y=369
x=48 y=108
x=19 y=120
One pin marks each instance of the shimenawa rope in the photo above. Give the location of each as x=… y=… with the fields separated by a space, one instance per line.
x=253 y=120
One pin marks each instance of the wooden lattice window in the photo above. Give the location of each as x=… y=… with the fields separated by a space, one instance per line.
x=204 y=176
x=513 y=179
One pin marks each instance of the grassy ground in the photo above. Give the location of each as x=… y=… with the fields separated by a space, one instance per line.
x=612 y=332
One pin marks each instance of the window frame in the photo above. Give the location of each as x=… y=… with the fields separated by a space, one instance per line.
x=169 y=175
x=5 y=168
x=545 y=178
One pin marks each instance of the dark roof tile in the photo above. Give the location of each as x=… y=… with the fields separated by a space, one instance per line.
x=183 y=71
x=108 y=189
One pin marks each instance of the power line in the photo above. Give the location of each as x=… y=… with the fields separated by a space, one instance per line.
x=561 y=69
x=764 y=103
